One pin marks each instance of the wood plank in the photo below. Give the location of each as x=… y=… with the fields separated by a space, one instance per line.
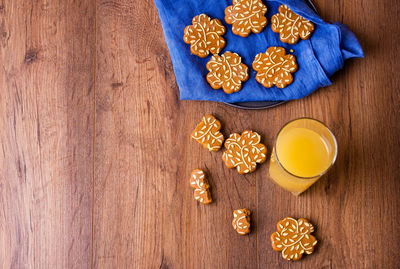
x=127 y=205
x=46 y=132
x=145 y=214
x=355 y=207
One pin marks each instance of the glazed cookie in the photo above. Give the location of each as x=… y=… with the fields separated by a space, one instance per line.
x=241 y=221
x=227 y=71
x=244 y=151
x=291 y=26
x=246 y=16
x=293 y=238
x=207 y=133
x=201 y=187
x=204 y=35
x=274 y=67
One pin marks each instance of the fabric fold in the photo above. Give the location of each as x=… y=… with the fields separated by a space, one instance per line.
x=349 y=44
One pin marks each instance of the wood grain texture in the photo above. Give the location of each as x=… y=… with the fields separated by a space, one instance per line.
x=46 y=132
x=145 y=214
x=96 y=156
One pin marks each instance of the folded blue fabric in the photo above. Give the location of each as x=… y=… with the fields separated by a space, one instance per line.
x=318 y=57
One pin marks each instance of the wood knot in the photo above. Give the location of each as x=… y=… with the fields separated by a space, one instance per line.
x=31 y=56
x=117 y=84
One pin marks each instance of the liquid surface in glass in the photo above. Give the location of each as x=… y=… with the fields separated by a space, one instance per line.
x=303 y=152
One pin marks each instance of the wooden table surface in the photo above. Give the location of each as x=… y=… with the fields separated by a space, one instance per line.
x=96 y=155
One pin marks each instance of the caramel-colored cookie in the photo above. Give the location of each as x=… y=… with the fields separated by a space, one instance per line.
x=201 y=187
x=204 y=35
x=291 y=26
x=207 y=133
x=274 y=67
x=241 y=221
x=246 y=16
x=244 y=151
x=227 y=71
x=293 y=238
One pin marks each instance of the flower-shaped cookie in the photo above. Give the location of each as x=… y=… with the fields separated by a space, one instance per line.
x=293 y=238
x=244 y=151
x=227 y=71
x=241 y=221
x=275 y=67
x=204 y=35
x=291 y=26
x=246 y=16
x=207 y=133
x=201 y=187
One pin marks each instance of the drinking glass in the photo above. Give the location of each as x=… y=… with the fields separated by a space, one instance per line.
x=304 y=150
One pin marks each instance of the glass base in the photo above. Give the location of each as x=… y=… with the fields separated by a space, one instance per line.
x=297 y=193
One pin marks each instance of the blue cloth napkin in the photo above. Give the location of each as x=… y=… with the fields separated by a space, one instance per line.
x=318 y=57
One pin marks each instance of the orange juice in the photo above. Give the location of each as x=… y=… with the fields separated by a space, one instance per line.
x=304 y=150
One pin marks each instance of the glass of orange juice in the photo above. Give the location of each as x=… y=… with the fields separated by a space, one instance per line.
x=304 y=150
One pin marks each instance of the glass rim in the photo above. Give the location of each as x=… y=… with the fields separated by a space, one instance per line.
x=323 y=124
